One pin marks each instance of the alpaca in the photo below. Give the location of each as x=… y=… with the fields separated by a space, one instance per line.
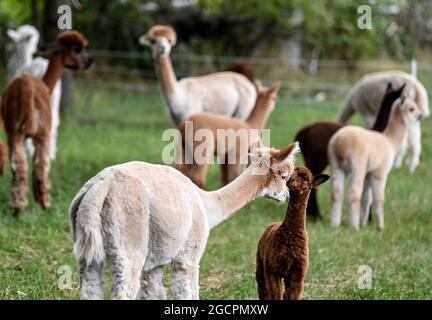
x=314 y=140
x=26 y=39
x=370 y=88
x=26 y=113
x=242 y=68
x=232 y=148
x=283 y=251
x=140 y=217
x=226 y=93
x=367 y=157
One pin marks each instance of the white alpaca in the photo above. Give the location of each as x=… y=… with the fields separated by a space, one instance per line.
x=226 y=93
x=365 y=98
x=26 y=39
x=366 y=157
x=141 y=217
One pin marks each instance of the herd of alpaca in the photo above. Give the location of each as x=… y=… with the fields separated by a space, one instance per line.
x=140 y=217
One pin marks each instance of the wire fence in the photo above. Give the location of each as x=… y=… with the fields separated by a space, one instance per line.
x=112 y=71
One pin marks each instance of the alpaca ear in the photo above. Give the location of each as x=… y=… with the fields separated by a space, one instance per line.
x=275 y=87
x=258 y=85
x=401 y=89
x=143 y=40
x=46 y=51
x=320 y=179
x=14 y=35
x=389 y=87
x=287 y=154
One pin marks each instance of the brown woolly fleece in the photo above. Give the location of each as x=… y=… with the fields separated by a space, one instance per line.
x=244 y=69
x=283 y=251
x=26 y=113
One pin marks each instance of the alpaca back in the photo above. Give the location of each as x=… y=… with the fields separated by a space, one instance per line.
x=353 y=145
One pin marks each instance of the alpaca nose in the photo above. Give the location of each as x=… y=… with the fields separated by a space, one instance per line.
x=420 y=117
x=161 y=50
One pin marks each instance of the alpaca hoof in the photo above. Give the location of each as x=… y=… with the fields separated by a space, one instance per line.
x=46 y=204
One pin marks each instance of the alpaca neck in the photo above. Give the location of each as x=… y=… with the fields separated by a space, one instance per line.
x=295 y=216
x=225 y=202
x=259 y=116
x=54 y=71
x=396 y=129
x=167 y=78
x=382 y=118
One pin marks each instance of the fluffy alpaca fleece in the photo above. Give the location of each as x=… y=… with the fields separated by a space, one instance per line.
x=228 y=149
x=367 y=157
x=226 y=93
x=314 y=140
x=26 y=39
x=26 y=112
x=244 y=69
x=283 y=252
x=364 y=96
x=140 y=217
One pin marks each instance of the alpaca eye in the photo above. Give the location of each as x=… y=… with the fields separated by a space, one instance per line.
x=303 y=178
x=411 y=110
x=78 y=49
x=152 y=41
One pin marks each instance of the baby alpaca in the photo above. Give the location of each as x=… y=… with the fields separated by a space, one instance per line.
x=26 y=113
x=233 y=148
x=314 y=140
x=226 y=93
x=26 y=39
x=366 y=157
x=283 y=251
x=140 y=217
x=363 y=99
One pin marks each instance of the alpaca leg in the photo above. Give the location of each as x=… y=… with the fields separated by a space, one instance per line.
x=294 y=284
x=366 y=201
x=41 y=165
x=312 y=205
x=401 y=154
x=414 y=146
x=183 y=284
x=355 y=194
x=152 y=287
x=19 y=172
x=378 y=189
x=55 y=118
x=337 y=179
x=273 y=287
x=91 y=281
x=126 y=274
x=259 y=276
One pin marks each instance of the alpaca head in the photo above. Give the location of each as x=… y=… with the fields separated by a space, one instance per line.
x=277 y=166
x=26 y=39
x=302 y=181
x=71 y=45
x=266 y=97
x=411 y=113
x=160 y=39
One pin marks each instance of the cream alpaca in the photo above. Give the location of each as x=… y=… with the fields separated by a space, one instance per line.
x=365 y=98
x=226 y=93
x=367 y=157
x=26 y=39
x=232 y=148
x=140 y=217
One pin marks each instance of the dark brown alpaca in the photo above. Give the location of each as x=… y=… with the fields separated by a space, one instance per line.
x=283 y=251
x=242 y=68
x=315 y=138
x=26 y=113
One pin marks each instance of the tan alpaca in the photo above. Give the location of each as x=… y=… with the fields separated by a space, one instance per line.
x=26 y=113
x=367 y=157
x=140 y=217
x=226 y=93
x=365 y=97
x=232 y=147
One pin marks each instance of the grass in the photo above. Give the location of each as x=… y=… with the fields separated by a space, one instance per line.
x=109 y=127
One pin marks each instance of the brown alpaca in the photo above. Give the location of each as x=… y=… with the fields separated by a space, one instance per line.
x=26 y=113
x=283 y=251
x=229 y=148
x=242 y=68
x=314 y=140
